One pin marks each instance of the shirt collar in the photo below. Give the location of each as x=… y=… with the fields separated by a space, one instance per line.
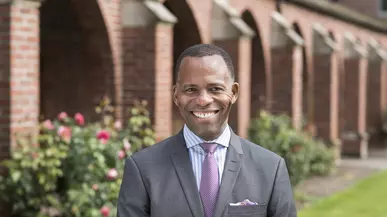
x=191 y=139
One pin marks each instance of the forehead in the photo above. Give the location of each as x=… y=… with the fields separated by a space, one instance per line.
x=194 y=68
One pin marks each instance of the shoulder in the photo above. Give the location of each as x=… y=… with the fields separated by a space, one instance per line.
x=159 y=150
x=259 y=154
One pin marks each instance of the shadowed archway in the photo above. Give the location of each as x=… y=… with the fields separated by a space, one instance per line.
x=76 y=59
x=258 y=70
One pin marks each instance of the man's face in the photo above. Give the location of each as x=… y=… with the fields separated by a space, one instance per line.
x=204 y=93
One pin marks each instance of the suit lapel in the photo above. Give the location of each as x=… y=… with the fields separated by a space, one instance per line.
x=231 y=171
x=183 y=167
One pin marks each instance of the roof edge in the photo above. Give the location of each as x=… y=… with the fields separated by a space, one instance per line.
x=342 y=13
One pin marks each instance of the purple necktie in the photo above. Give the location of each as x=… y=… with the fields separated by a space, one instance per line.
x=209 y=183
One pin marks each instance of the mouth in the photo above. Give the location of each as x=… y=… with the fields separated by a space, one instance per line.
x=205 y=115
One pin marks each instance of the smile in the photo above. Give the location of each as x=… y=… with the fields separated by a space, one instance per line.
x=204 y=115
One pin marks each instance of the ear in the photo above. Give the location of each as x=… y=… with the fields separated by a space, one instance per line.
x=174 y=95
x=235 y=92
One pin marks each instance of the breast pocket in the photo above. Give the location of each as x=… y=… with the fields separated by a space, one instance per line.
x=246 y=211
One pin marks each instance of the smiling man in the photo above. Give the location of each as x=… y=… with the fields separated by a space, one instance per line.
x=206 y=170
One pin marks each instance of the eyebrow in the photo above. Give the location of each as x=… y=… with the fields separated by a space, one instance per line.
x=216 y=84
x=208 y=85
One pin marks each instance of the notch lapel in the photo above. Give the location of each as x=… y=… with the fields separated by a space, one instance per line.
x=181 y=162
x=231 y=170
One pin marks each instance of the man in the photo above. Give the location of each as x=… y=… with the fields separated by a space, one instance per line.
x=205 y=170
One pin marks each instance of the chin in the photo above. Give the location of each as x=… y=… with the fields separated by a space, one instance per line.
x=209 y=133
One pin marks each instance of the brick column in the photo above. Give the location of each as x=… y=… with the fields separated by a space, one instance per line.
x=354 y=137
x=325 y=85
x=147 y=61
x=240 y=52
x=286 y=70
x=235 y=39
x=19 y=71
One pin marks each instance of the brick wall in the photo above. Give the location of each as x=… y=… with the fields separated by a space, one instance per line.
x=258 y=78
x=19 y=84
x=352 y=109
x=258 y=73
x=374 y=111
x=373 y=96
x=5 y=71
x=147 y=72
x=111 y=13
x=322 y=94
x=232 y=48
x=139 y=66
x=282 y=66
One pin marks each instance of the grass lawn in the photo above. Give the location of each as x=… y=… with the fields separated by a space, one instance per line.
x=368 y=198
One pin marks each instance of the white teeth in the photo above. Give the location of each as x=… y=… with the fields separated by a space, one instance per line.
x=204 y=115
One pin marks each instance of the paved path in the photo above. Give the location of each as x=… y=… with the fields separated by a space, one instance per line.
x=371 y=163
x=347 y=173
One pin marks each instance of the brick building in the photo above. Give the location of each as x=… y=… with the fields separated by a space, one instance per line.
x=300 y=57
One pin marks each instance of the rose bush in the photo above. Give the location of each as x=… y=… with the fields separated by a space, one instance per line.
x=74 y=168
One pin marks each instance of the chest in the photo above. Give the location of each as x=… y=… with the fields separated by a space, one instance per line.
x=174 y=192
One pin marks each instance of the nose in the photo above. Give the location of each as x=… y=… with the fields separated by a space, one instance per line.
x=204 y=99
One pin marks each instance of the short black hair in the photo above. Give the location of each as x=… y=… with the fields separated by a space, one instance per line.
x=202 y=50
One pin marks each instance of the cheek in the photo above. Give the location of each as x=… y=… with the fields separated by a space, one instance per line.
x=183 y=102
x=225 y=100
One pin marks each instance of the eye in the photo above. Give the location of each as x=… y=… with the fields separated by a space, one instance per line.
x=190 y=90
x=216 y=89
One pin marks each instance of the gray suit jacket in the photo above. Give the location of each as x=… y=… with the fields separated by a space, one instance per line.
x=159 y=181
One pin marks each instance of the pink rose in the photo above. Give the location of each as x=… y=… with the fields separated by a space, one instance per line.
x=79 y=119
x=127 y=144
x=112 y=174
x=62 y=116
x=95 y=187
x=64 y=133
x=105 y=211
x=121 y=154
x=118 y=125
x=47 y=124
x=103 y=136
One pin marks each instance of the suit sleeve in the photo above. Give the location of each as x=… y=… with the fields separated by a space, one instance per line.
x=133 y=200
x=282 y=203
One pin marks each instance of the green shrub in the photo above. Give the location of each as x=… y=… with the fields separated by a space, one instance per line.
x=303 y=154
x=323 y=159
x=74 y=168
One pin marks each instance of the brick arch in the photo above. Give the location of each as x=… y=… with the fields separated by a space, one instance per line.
x=258 y=73
x=77 y=67
x=261 y=12
x=305 y=76
x=185 y=33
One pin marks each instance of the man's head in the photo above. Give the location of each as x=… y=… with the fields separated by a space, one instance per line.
x=205 y=89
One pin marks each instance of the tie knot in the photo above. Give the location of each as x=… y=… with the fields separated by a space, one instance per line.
x=209 y=147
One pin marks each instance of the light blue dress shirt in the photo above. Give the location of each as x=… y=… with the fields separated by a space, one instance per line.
x=197 y=154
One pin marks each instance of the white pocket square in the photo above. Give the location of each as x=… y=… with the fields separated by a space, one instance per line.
x=245 y=202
